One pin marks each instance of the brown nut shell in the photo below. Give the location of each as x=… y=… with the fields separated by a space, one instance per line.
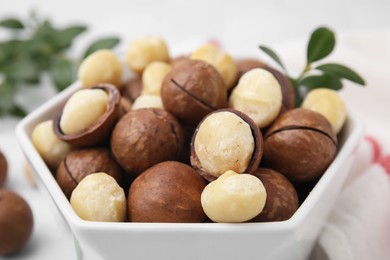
x=3 y=169
x=288 y=93
x=167 y=192
x=101 y=129
x=193 y=89
x=145 y=137
x=257 y=153
x=132 y=88
x=16 y=222
x=282 y=199
x=300 y=144
x=80 y=163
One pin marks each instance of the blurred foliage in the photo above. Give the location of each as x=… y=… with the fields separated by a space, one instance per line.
x=35 y=46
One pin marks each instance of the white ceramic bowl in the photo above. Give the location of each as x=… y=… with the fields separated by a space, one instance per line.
x=291 y=239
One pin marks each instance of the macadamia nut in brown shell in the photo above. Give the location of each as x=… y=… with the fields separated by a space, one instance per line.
x=81 y=162
x=259 y=95
x=16 y=222
x=167 y=192
x=145 y=137
x=288 y=93
x=87 y=124
x=193 y=89
x=282 y=199
x=220 y=59
x=226 y=140
x=300 y=144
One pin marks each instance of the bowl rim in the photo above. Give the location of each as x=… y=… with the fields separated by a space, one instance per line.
x=23 y=132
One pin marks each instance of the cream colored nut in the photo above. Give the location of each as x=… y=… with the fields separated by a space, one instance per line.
x=259 y=95
x=147 y=101
x=328 y=103
x=82 y=109
x=48 y=145
x=102 y=66
x=233 y=197
x=153 y=76
x=224 y=141
x=221 y=60
x=143 y=51
x=98 y=197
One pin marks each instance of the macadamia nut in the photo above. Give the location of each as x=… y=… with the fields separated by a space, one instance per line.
x=222 y=61
x=224 y=141
x=259 y=95
x=82 y=109
x=147 y=101
x=49 y=146
x=153 y=76
x=16 y=222
x=102 y=66
x=144 y=50
x=328 y=103
x=233 y=197
x=98 y=197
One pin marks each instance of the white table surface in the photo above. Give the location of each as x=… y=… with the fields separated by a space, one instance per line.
x=363 y=28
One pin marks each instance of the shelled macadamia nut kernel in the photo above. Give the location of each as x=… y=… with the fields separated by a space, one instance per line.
x=167 y=192
x=225 y=140
x=328 y=103
x=145 y=50
x=3 y=169
x=288 y=92
x=233 y=197
x=282 y=199
x=16 y=222
x=102 y=66
x=221 y=60
x=259 y=95
x=88 y=116
x=148 y=101
x=82 y=109
x=98 y=197
x=300 y=144
x=153 y=76
x=52 y=149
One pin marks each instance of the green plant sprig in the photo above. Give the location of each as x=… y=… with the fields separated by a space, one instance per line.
x=327 y=75
x=34 y=47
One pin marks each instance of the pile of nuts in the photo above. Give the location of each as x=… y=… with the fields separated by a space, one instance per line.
x=195 y=138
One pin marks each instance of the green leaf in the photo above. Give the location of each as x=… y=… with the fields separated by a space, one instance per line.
x=12 y=23
x=6 y=96
x=321 y=81
x=62 y=73
x=341 y=71
x=18 y=111
x=321 y=44
x=273 y=55
x=64 y=38
x=105 y=43
x=23 y=70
